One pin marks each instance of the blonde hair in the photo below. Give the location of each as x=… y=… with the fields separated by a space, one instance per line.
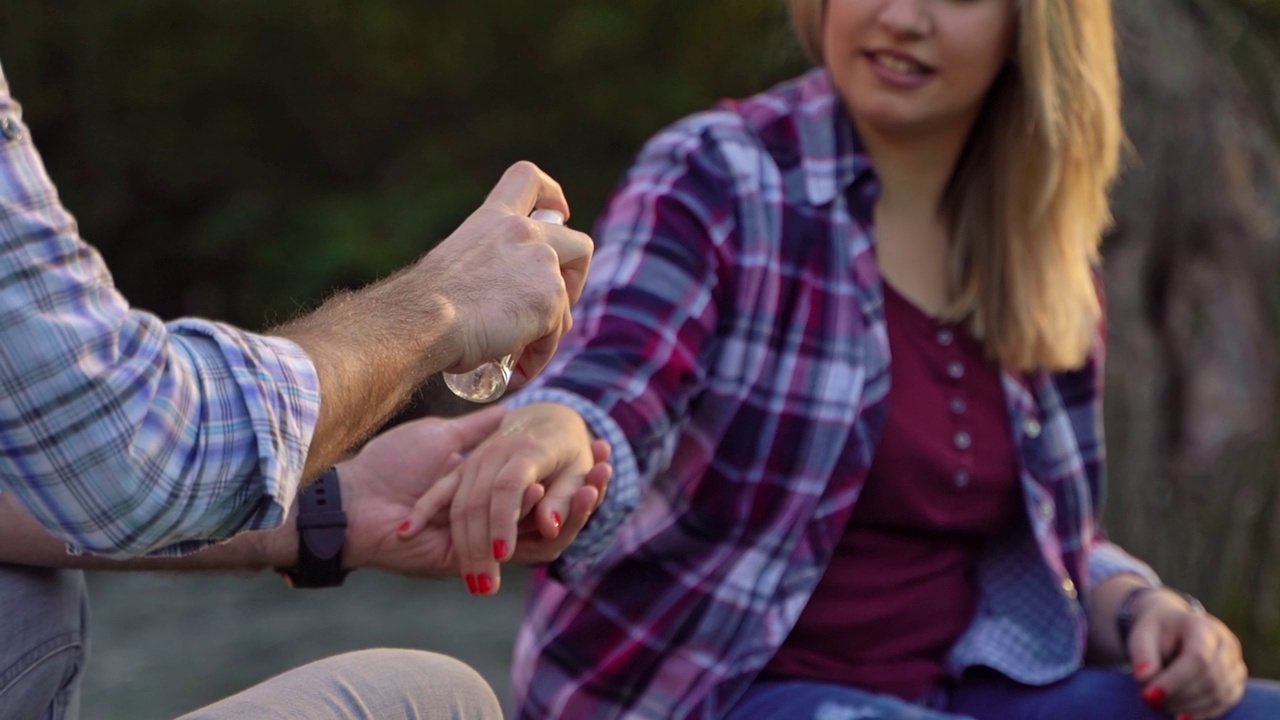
x=1028 y=199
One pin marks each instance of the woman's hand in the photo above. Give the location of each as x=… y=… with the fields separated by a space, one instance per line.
x=381 y=485
x=541 y=457
x=1188 y=662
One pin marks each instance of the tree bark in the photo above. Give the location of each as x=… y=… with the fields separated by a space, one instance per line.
x=1192 y=275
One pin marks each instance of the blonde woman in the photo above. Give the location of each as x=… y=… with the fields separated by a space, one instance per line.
x=846 y=342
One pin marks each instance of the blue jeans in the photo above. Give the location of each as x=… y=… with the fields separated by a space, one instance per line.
x=43 y=642
x=43 y=647
x=1093 y=693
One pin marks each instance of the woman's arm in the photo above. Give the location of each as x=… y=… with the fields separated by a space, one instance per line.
x=1187 y=661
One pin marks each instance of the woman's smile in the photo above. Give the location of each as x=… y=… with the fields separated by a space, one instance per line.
x=899 y=70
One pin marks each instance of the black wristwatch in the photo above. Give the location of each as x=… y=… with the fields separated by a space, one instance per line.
x=322 y=532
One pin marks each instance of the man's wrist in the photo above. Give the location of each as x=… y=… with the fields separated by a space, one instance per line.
x=353 y=555
x=277 y=548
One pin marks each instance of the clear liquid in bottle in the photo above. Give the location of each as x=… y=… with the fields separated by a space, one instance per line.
x=484 y=384
x=489 y=381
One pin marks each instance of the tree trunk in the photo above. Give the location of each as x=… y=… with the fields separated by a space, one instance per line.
x=1192 y=275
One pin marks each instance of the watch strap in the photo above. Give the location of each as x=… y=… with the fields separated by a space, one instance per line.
x=322 y=533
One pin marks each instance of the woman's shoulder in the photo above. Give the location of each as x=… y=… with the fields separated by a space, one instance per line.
x=763 y=127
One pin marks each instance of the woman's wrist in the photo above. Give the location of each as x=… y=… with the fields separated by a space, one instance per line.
x=1127 y=612
x=1140 y=600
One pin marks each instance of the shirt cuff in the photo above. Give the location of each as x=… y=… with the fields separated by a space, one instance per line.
x=281 y=394
x=623 y=495
x=1106 y=560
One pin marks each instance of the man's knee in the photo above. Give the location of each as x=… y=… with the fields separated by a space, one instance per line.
x=366 y=685
x=43 y=642
x=446 y=681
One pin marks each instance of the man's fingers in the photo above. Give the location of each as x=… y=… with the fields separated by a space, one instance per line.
x=575 y=275
x=574 y=249
x=533 y=359
x=476 y=427
x=523 y=187
x=435 y=500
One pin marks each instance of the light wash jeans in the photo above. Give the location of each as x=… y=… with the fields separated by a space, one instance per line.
x=44 y=644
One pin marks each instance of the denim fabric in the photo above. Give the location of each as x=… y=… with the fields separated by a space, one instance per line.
x=807 y=700
x=43 y=642
x=1093 y=693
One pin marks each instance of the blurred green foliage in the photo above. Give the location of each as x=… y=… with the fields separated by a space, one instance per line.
x=241 y=158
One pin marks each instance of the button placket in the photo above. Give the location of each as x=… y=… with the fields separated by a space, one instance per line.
x=961 y=440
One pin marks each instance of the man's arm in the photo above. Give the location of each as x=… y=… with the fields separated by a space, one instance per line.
x=124 y=435
x=24 y=541
x=379 y=488
x=501 y=283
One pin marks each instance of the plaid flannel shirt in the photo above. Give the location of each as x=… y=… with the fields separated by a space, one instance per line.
x=123 y=435
x=731 y=345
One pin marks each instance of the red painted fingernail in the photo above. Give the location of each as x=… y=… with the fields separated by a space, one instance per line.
x=484 y=583
x=555 y=519
x=1142 y=667
x=499 y=549
x=471 y=584
x=404 y=526
x=1154 y=696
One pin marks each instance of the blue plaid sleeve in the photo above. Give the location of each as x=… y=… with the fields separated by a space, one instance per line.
x=121 y=434
x=1108 y=560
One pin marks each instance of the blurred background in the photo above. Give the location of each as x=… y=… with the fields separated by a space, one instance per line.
x=242 y=159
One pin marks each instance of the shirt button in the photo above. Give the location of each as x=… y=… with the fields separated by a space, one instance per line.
x=1032 y=428
x=10 y=128
x=1069 y=589
x=945 y=337
x=955 y=370
x=958 y=406
x=962 y=478
x=962 y=440
x=1046 y=510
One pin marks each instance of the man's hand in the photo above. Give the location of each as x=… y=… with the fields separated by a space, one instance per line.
x=382 y=483
x=1188 y=662
x=508 y=280
x=500 y=284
